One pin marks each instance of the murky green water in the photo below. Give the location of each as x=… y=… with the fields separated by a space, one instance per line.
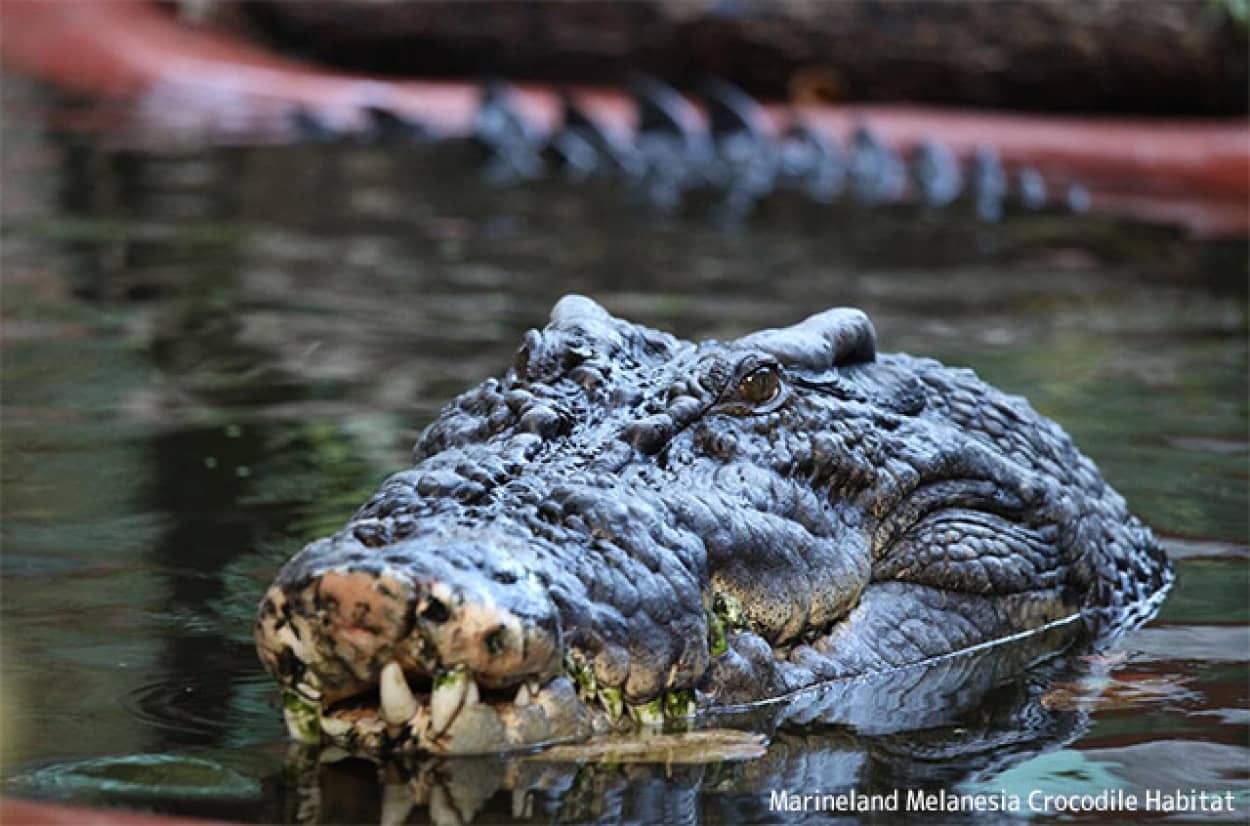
x=211 y=357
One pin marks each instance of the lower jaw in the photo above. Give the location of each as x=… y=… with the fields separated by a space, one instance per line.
x=452 y=720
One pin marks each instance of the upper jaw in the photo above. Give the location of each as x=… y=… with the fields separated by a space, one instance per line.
x=361 y=674
x=383 y=663
x=444 y=642
x=402 y=704
x=423 y=659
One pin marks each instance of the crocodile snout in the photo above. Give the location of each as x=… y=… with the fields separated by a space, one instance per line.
x=445 y=644
x=336 y=618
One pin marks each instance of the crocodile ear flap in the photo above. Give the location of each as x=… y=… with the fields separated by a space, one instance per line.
x=835 y=338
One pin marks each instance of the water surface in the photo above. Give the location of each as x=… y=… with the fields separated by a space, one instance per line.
x=212 y=355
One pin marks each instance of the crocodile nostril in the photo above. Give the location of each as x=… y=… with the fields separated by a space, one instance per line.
x=435 y=611
x=496 y=641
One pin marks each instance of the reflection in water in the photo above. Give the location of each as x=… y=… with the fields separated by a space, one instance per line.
x=948 y=725
x=211 y=357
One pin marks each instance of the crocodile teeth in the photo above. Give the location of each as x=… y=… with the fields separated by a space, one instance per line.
x=527 y=692
x=398 y=703
x=307 y=691
x=335 y=727
x=453 y=690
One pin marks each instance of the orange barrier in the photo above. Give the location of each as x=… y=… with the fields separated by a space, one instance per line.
x=206 y=83
x=31 y=813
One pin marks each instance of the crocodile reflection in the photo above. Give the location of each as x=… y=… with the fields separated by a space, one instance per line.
x=953 y=722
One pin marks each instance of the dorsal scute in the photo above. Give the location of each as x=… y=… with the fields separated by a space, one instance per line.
x=835 y=338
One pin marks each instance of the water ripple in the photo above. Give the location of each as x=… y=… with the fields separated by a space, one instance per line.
x=178 y=705
x=150 y=775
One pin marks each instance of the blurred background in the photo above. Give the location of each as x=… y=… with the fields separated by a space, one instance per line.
x=249 y=250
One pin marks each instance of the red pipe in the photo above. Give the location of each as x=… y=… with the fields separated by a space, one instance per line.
x=32 y=813
x=208 y=84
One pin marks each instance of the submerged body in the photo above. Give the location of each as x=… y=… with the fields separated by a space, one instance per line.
x=626 y=528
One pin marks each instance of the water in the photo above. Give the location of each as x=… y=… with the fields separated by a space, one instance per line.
x=211 y=356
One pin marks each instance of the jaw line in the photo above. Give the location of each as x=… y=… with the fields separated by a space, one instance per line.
x=451 y=714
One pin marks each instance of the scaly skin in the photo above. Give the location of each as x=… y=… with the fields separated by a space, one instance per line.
x=655 y=526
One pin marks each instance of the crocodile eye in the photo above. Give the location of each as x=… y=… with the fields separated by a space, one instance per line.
x=761 y=386
x=758 y=388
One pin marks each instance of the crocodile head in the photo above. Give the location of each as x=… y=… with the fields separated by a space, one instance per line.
x=626 y=528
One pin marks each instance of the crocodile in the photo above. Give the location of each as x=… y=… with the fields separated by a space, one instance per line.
x=705 y=131
x=628 y=530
